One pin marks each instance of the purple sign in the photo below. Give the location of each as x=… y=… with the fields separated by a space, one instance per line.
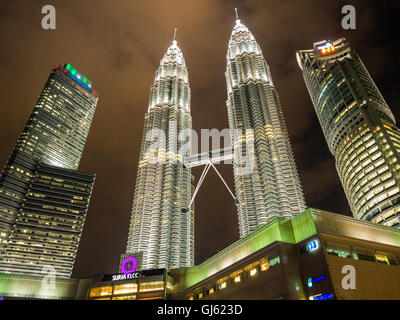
x=129 y=265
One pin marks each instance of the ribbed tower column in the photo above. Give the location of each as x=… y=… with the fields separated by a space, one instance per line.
x=273 y=187
x=159 y=228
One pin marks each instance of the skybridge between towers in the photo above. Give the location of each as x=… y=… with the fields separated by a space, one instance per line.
x=208 y=159
x=204 y=158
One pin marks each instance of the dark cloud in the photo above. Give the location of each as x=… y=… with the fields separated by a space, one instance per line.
x=118 y=45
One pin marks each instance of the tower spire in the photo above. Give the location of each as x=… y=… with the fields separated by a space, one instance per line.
x=175 y=34
x=236 y=13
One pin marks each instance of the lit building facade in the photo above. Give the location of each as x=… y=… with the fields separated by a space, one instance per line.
x=272 y=187
x=162 y=225
x=297 y=259
x=43 y=199
x=49 y=223
x=153 y=284
x=359 y=128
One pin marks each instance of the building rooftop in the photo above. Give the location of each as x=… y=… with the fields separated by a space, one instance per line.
x=310 y=222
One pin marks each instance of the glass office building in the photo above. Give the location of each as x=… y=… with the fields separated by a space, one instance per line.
x=43 y=199
x=359 y=128
x=162 y=225
x=271 y=188
x=49 y=223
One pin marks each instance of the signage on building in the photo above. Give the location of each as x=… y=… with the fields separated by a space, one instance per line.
x=129 y=265
x=134 y=275
x=321 y=296
x=313 y=245
x=310 y=246
x=123 y=276
x=310 y=281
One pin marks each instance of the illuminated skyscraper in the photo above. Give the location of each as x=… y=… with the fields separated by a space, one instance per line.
x=43 y=199
x=272 y=188
x=161 y=227
x=359 y=128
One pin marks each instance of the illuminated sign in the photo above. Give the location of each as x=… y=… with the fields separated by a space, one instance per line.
x=321 y=296
x=309 y=247
x=134 y=275
x=118 y=277
x=313 y=245
x=129 y=265
x=326 y=48
x=77 y=77
x=310 y=281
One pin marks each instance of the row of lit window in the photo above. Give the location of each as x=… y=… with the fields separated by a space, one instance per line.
x=385 y=258
x=127 y=288
x=237 y=276
x=387 y=214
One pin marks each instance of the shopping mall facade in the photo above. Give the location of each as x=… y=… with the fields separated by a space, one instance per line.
x=312 y=256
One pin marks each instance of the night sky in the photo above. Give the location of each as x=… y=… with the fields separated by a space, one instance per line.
x=118 y=45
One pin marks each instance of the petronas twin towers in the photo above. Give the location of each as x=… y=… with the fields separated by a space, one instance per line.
x=159 y=229
x=162 y=221
x=273 y=188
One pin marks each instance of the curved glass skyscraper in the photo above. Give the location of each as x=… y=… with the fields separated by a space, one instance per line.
x=359 y=128
x=271 y=188
x=162 y=226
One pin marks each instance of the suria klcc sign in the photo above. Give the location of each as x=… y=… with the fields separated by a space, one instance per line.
x=128 y=269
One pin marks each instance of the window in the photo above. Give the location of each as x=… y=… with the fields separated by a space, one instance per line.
x=381 y=258
x=365 y=257
x=133 y=297
x=100 y=291
x=264 y=266
x=274 y=260
x=151 y=286
x=125 y=288
x=342 y=253
x=392 y=262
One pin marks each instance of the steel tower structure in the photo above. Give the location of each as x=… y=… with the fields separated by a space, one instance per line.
x=162 y=224
x=272 y=187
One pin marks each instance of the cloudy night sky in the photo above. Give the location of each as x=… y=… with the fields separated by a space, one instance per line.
x=118 y=45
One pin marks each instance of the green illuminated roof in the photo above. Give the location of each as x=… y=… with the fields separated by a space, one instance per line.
x=75 y=72
x=299 y=228
x=291 y=231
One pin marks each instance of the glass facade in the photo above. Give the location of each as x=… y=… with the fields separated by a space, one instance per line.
x=48 y=227
x=272 y=188
x=359 y=128
x=162 y=225
x=146 y=287
x=43 y=199
x=239 y=276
